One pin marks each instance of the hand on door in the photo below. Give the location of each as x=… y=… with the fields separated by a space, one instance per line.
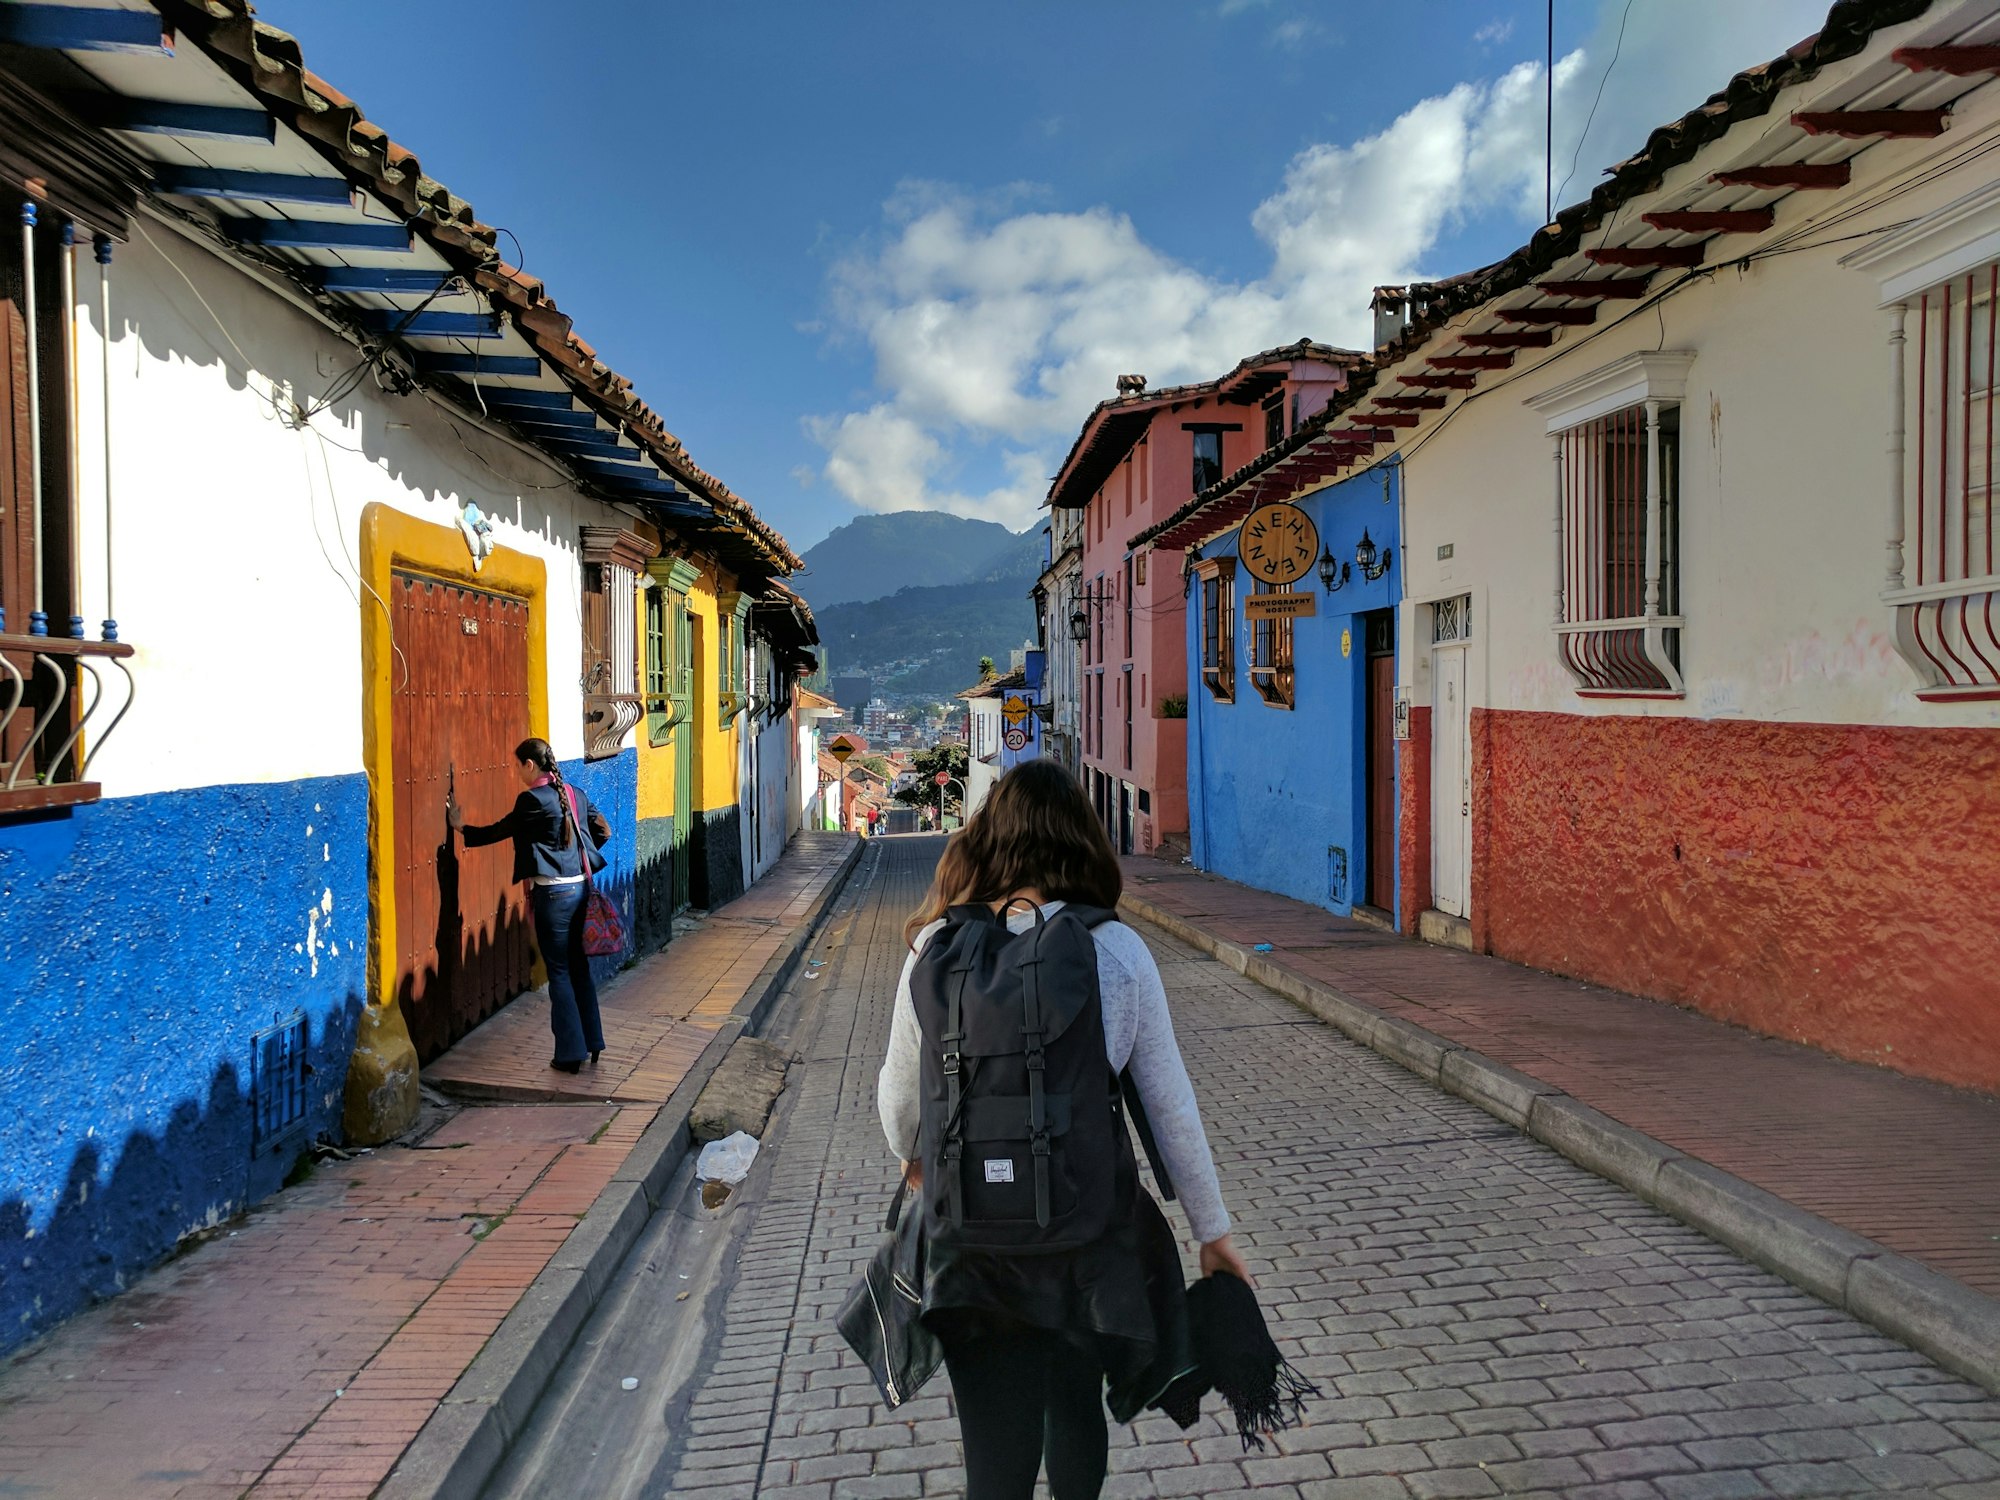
x=453 y=813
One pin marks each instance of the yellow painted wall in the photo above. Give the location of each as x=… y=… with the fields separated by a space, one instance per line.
x=715 y=749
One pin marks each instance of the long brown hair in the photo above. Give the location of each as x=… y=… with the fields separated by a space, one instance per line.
x=542 y=756
x=1035 y=831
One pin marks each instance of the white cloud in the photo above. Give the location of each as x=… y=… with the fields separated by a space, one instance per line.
x=996 y=326
x=1295 y=33
x=1494 y=32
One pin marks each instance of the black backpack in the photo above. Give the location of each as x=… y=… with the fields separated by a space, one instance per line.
x=1023 y=1135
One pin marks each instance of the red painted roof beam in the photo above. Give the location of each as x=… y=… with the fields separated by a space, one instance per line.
x=1440 y=382
x=1957 y=61
x=1798 y=174
x=1369 y=435
x=1629 y=290
x=1565 y=317
x=1526 y=338
x=1720 y=221
x=1413 y=403
x=1400 y=418
x=1471 y=361
x=1647 y=255
x=1855 y=124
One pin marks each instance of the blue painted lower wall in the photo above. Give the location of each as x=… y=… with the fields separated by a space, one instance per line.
x=1277 y=798
x=613 y=785
x=144 y=942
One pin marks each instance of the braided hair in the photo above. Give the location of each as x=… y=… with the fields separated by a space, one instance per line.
x=542 y=756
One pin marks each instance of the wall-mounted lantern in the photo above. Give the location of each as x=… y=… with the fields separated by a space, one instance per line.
x=1333 y=574
x=1364 y=557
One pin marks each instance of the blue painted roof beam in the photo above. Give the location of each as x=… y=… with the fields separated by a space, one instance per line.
x=266 y=187
x=188 y=121
x=317 y=234
x=72 y=28
x=605 y=446
x=381 y=279
x=538 y=416
x=430 y=325
x=555 y=401
x=623 y=474
x=473 y=366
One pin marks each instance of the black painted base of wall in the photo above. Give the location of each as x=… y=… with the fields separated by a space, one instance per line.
x=718 y=858
x=653 y=888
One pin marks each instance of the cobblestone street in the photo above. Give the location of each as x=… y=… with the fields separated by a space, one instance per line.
x=1482 y=1316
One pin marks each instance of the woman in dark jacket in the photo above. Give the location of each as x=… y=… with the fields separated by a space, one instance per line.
x=549 y=855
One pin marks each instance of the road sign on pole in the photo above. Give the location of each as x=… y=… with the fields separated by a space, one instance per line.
x=942 y=777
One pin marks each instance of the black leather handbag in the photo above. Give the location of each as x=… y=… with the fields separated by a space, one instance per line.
x=881 y=1318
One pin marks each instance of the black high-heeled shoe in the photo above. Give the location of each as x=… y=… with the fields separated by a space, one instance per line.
x=566 y=1067
x=594 y=1057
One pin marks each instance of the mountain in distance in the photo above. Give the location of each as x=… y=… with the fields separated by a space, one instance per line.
x=912 y=600
x=875 y=555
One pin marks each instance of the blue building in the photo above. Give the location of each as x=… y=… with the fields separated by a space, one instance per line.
x=1292 y=766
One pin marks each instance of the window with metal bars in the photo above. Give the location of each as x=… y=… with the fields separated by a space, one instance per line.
x=1125 y=696
x=1945 y=623
x=1620 y=506
x=1128 y=607
x=1271 y=651
x=1217 y=577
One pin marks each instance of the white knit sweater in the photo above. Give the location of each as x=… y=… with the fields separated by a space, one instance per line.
x=1138 y=1032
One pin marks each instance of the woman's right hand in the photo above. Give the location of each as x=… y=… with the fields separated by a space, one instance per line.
x=453 y=813
x=913 y=1174
x=1221 y=1255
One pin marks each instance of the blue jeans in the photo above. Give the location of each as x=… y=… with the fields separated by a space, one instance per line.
x=573 y=1016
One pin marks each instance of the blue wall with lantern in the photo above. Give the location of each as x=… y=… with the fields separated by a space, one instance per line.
x=1278 y=797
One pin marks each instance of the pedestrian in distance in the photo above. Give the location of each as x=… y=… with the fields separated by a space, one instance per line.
x=555 y=829
x=1051 y=1280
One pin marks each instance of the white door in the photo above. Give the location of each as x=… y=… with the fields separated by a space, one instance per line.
x=1451 y=787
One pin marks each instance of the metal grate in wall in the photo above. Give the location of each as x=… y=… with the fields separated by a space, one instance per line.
x=278 y=1083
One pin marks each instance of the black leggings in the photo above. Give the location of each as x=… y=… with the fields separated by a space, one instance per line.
x=1022 y=1394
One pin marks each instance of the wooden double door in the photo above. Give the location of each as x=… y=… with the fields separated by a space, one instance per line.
x=464 y=940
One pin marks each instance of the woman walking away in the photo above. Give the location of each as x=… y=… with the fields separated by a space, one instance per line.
x=1048 y=1271
x=550 y=846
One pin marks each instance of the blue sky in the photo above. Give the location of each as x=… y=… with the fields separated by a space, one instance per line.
x=886 y=255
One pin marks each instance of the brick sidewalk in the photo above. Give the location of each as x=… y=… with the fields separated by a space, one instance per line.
x=1912 y=1165
x=295 y=1354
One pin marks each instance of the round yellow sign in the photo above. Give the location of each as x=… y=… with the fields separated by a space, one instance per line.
x=1278 y=543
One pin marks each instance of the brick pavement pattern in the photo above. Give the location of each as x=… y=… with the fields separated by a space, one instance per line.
x=1484 y=1317
x=296 y=1354
x=1910 y=1164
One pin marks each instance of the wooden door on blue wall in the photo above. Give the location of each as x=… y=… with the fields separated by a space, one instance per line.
x=1380 y=627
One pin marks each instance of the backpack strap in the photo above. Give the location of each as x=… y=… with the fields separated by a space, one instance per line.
x=1136 y=1107
x=952 y=1147
x=1037 y=1060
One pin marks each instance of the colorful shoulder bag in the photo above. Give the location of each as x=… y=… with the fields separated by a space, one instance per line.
x=603 y=928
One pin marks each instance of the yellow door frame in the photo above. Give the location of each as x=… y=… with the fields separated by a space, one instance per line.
x=393 y=541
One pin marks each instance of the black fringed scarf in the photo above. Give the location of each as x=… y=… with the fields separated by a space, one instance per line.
x=1236 y=1359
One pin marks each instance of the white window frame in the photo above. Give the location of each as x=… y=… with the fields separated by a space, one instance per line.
x=1943 y=625
x=1654 y=381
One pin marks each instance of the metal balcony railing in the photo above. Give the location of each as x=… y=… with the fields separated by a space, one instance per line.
x=47 y=738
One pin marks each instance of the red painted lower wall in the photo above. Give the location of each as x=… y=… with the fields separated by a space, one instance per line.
x=1833 y=884
x=1413 y=854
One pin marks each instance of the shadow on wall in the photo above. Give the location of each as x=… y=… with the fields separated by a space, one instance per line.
x=205 y=1166
x=718 y=858
x=153 y=947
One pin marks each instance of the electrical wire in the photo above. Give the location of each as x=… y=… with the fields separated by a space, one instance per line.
x=1618 y=47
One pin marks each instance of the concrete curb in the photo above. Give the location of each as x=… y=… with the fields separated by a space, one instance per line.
x=463 y=1443
x=1935 y=1315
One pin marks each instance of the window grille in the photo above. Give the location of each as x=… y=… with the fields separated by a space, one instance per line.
x=1126 y=695
x=1451 y=620
x=1619 y=491
x=1271 y=651
x=1218 y=627
x=1945 y=593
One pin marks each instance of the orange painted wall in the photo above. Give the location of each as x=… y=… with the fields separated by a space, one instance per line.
x=1832 y=884
x=1413 y=791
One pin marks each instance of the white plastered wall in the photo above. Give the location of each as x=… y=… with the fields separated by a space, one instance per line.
x=237 y=530
x=1784 y=482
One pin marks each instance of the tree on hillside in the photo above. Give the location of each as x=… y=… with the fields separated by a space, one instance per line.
x=924 y=792
x=985 y=667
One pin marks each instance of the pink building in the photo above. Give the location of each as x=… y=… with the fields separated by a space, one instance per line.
x=1140 y=458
